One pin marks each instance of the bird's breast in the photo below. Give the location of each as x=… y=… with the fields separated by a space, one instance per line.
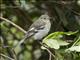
x=42 y=32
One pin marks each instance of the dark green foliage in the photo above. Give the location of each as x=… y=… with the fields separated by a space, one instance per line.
x=63 y=40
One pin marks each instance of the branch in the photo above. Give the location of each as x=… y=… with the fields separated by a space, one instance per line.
x=13 y=24
x=9 y=51
x=50 y=53
x=6 y=57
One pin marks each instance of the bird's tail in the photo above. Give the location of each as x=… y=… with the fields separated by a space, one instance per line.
x=25 y=38
x=21 y=41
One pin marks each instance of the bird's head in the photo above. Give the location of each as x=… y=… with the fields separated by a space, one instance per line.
x=45 y=17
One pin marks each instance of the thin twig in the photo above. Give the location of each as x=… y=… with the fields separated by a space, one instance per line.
x=13 y=24
x=49 y=55
x=76 y=12
x=6 y=57
x=77 y=39
x=10 y=51
x=48 y=50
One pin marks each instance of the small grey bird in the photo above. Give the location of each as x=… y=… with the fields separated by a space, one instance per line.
x=38 y=29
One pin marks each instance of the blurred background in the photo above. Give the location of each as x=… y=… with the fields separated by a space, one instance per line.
x=65 y=16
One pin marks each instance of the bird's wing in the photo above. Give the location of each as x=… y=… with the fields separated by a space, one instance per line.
x=39 y=24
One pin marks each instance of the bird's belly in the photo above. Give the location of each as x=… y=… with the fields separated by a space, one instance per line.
x=41 y=33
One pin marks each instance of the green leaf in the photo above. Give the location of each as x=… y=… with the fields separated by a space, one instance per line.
x=55 y=40
x=54 y=35
x=70 y=33
x=13 y=30
x=74 y=48
x=62 y=43
x=78 y=43
x=52 y=43
x=59 y=34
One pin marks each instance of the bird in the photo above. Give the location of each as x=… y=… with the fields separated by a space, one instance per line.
x=39 y=28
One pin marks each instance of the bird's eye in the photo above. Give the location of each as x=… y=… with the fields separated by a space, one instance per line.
x=44 y=18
